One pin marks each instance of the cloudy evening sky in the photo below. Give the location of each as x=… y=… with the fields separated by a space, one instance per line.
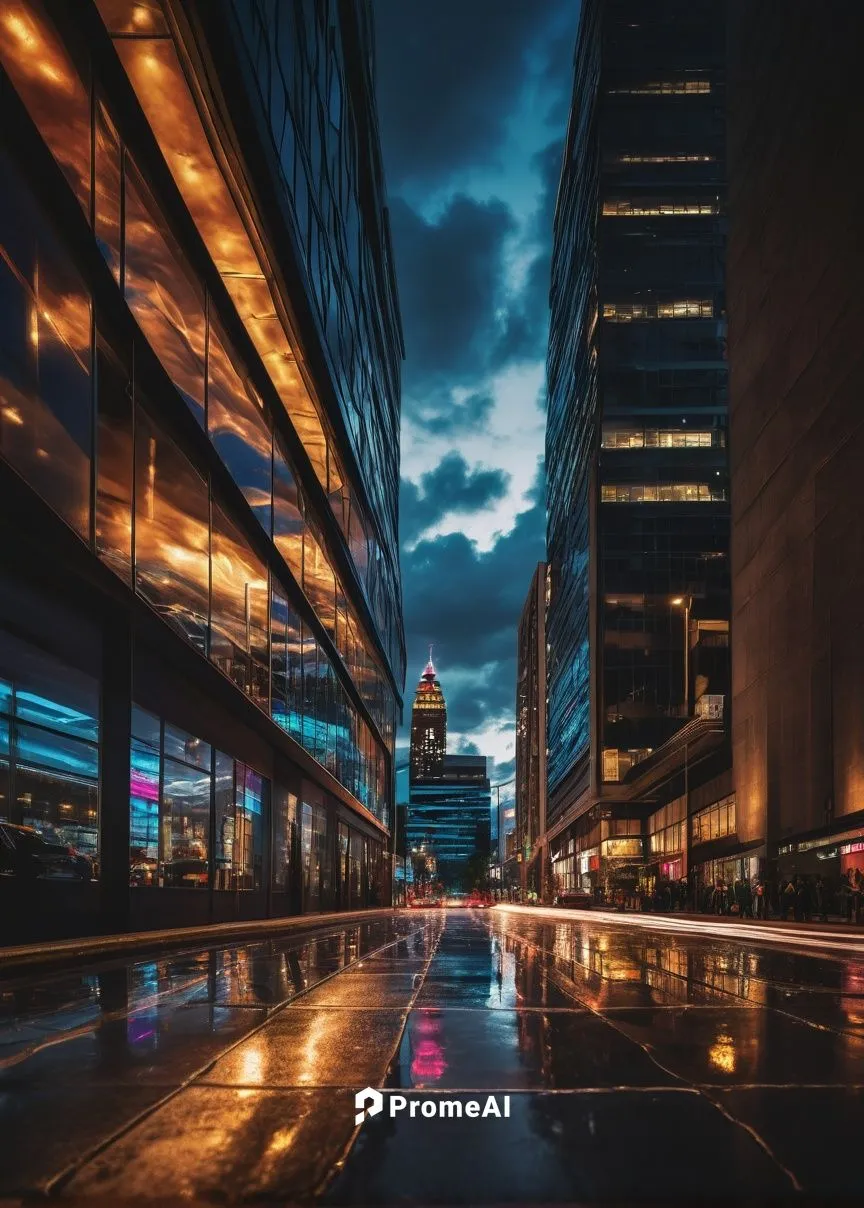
x=473 y=99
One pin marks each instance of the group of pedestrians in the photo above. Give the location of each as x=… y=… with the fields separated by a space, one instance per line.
x=798 y=898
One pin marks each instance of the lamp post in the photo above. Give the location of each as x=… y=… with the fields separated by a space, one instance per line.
x=685 y=602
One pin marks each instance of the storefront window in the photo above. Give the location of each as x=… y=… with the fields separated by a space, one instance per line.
x=356 y=869
x=185 y=825
x=240 y=798
x=315 y=851
x=284 y=827
x=144 y=798
x=49 y=744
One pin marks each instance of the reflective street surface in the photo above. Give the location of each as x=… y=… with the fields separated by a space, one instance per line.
x=628 y=1063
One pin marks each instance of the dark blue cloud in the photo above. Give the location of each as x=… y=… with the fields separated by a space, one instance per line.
x=468 y=602
x=450 y=487
x=449 y=74
x=450 y=279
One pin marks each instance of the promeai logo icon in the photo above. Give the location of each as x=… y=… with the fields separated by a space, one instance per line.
x=368 y=1102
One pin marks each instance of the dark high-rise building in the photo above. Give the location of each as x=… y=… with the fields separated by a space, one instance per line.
x=428 y=728
x=638 y=528
x=448 y=827
x=449 y=823
x=796 y=260
x=531 y=731
x=201 y=648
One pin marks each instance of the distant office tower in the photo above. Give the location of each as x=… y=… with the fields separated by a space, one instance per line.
x=201 y=648
x=638 y=507
x=448 y=827
x=531 y=732
x=449 y=823
x=428 y=727
x=796 y=260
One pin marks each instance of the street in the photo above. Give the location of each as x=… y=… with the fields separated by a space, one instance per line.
x=637 y=1062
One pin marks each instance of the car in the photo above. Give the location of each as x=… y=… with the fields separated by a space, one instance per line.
x=575 y=898
x=478 y=901
x=25 y=852
x=455 y=900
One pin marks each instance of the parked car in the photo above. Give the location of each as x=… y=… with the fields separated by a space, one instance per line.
x=25 y=852
x=575 y=898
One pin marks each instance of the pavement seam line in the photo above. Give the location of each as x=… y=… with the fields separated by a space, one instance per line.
x=339 y=1165
x=757 y=1137
x=58 y=1181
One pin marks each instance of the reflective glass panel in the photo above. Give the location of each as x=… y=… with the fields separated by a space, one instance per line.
x=163 y=295
x=51 y=89
x=172 y=538
x=185 y=826
x=114 y=457
x=239 y=611
x=238 y=427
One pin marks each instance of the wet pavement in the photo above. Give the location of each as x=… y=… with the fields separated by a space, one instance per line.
x=628 y=1064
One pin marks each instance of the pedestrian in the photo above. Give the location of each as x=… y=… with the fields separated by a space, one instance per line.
x=856 y=880
x=761 y=901
x=820 y=899
x=788 y=899
x=747 y=900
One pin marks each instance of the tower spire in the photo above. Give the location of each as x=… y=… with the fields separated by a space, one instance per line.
x=430 y=672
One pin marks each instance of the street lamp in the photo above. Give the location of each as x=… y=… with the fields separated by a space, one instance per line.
x=685 y=602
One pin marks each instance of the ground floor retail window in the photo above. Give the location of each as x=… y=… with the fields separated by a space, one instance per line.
x=195 y=813
x=49 y=765
x=316 y=855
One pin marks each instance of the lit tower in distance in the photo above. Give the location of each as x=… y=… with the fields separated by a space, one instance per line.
x=428 y=727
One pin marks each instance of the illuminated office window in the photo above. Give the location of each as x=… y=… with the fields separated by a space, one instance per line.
x=670 y=492
x=660 y=438
x=628 y=312
x=715 y=821
x=627 y=158
x=649 y=208
x=664 y=88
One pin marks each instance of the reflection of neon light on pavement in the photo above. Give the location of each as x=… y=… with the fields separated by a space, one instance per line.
x=758 y=933
x=429 y=1063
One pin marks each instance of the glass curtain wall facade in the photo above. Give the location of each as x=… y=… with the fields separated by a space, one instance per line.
x=638 y=528
x=448 y=831
x=204 y=389
x=531 y=720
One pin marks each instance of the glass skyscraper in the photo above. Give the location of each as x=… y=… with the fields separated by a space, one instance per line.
x=428 y=727
x=201 y=644
x=449 y=816
x=638 y=510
